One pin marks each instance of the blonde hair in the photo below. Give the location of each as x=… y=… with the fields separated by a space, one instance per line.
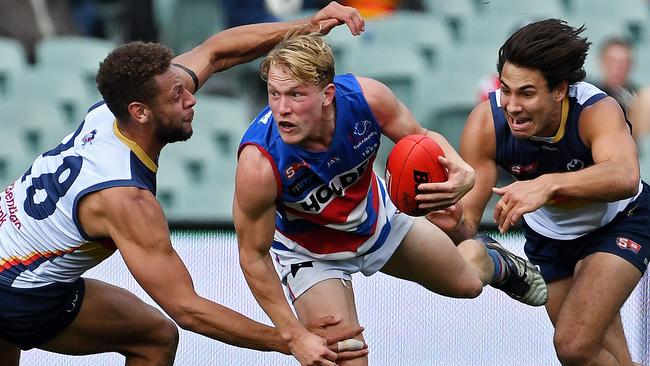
x=307 y=57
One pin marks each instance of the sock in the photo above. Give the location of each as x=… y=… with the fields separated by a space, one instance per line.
x=500 y=267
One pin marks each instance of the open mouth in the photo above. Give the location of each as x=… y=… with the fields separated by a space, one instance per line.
x=520 y=122
x=286 y=125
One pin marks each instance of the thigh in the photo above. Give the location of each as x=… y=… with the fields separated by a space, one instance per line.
x=557 y=292
x=429 y=257
x=335 y=297
x=111 y=319
x=600 y=286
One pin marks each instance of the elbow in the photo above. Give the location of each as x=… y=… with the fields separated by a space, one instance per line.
x=184 y=316
x=632 y=184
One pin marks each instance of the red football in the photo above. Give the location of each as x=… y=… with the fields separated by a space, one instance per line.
x=413 y=160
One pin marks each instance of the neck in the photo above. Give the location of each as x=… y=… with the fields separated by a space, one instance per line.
x=143 y=137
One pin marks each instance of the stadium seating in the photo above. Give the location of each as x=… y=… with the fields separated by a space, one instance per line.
x=65 y=87
x=202 y=18
x=429 y=34
x=73 y=54
x=38 y=121
x=399 y=69
x=13 y=61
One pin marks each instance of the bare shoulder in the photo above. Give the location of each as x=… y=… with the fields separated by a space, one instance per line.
x=256 y=179
x=604 y=117
x=374 y=91
x=478 y=133
x=101 y=213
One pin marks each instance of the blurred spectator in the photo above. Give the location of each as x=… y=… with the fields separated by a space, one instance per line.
x=30 y=20
x=616 y=57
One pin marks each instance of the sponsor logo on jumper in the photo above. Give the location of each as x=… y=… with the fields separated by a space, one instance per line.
x=361 y=127
x=629 y=244
x=292 y=169
x=575 y=164
x=88 y=138
x=304 y=182
x=3 y=215
x=518 y=169
x=12 y=209
x=364 y=140
x=322 y=195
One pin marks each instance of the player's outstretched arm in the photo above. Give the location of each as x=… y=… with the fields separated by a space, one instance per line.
x=254 y=211
x=245 y=43
x=135 y=221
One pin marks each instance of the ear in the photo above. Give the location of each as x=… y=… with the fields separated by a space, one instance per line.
x=560 y=91
x=328 y=95
x=139 y=112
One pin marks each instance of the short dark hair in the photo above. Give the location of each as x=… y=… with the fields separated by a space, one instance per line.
x=127 y=75
x=551 y=46
x=615 y=41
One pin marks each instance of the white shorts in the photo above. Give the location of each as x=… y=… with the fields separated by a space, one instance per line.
x=299 y=272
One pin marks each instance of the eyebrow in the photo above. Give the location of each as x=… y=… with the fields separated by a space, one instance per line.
x=523 y=88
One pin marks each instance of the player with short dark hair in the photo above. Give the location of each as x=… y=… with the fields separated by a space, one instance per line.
x=584 y=208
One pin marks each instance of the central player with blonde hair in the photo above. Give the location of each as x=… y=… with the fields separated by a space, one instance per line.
x=306 y=191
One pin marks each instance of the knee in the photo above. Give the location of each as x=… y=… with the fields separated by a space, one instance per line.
x=469 y=289
x=167 y=334
x=574 y=350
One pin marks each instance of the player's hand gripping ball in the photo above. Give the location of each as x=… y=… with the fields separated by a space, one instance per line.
x=413 y=160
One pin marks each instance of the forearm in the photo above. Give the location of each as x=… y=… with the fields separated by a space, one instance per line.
x=267 y=289
x=242 y=44
x=606 y=181
x=223 y=324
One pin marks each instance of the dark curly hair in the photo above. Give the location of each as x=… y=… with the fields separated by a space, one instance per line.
x=550 y=46
x=127 y=75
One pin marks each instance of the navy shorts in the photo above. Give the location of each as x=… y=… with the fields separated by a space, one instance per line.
x=31 y=317
x=626 y=236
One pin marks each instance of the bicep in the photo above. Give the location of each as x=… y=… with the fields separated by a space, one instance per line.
x=605 y=131
x=254 y=207
x=139 y=229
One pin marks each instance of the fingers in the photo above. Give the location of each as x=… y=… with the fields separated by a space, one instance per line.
x=325 y=321
x=344 y=334
x=350 y=355
x=342 y=14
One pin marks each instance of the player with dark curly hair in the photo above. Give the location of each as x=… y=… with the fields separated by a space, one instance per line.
x=94 y=194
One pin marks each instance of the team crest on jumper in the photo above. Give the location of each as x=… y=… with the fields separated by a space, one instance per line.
x=88 y=138
x=575 y=164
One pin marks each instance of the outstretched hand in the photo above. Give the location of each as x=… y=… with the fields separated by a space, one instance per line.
x=338 y=337
x=519 y=198
x=335 y=14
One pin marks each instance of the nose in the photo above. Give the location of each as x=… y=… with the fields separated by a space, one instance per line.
x=284 y=106
x=190 y=100
x=512 y=104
